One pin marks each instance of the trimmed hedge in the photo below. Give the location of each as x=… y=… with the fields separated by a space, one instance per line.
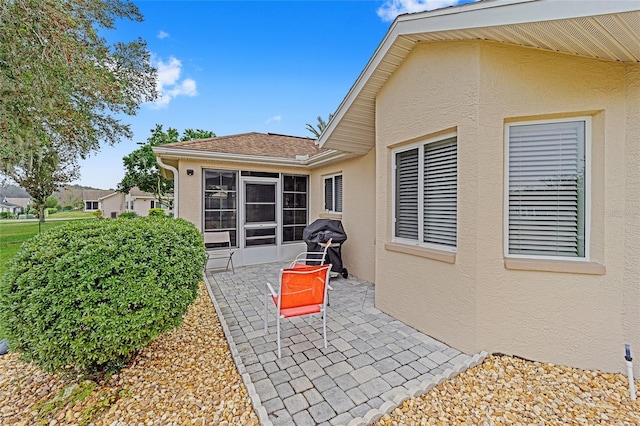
x=88 y=295
x=157 y=213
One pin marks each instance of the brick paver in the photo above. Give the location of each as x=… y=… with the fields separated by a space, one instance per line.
x=370 y=358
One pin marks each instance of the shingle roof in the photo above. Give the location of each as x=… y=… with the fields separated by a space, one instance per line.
x=262 y=144
x=19 y=201
x=94 y=194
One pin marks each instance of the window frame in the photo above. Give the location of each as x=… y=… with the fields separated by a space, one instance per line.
x=587 y=189
x=204 y=210
x=332 y=177
x=283 y=176
x=420 y=208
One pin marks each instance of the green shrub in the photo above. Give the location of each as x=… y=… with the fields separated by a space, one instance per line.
x=128 y=215
x=155 y=212
x=67 y=208
x=7 y=215
x=88 y=295
x=52 y=210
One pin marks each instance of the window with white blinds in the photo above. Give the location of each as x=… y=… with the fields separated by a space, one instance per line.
x=426 y=189
x=333 y=193
x=547 y=189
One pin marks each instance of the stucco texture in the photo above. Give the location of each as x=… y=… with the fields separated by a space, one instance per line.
x=476 y=303
x=358 y=205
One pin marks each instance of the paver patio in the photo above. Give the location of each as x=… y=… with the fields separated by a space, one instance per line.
x=370 y=358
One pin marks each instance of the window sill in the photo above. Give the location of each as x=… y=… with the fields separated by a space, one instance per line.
x=562 y=266
x=428 y=253
x=337 y=216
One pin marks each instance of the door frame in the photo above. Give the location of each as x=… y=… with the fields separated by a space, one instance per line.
x=259 y=254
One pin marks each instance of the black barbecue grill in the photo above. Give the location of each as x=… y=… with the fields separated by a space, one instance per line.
x=318 y=233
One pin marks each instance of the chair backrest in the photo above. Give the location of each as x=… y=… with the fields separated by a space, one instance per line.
x=220 y=237
x=303 y=286
x=311 y=257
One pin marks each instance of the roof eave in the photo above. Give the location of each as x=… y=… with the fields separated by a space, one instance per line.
x=317 y=160
x=485 y=14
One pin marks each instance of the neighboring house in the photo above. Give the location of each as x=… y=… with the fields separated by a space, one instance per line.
x=140 y=202
x=14 y=205
x=22 y=202
x=489 y=161
x=112 y=205
x=7 y=206
x=91 y=198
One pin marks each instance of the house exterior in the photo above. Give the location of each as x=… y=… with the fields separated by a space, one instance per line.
x=22 y=202
x=265 y=188
x=112 y=205
x=489 y=161
x=140 y=202
x=8 y=206
x=507 y=149
x=91 y=198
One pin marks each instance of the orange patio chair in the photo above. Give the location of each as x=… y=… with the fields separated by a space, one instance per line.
x=303 y=291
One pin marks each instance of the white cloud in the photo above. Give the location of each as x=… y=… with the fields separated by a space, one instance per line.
x=274 y=119
x=169 y=85
x=392 y=8
x=162 y=34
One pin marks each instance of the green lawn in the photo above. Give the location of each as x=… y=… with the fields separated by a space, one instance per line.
x=13 y=233
x=74 y=214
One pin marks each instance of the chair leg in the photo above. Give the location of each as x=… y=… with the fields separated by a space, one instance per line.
x=324 y=326
x=279 y=349
x=266 y=311
x=231 y=260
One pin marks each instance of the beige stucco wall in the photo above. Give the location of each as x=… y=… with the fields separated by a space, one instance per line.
x=430 y=93
x=113 y=203
x=141 y=205
x=631 y=213
x=358 y=216
x=476 y=303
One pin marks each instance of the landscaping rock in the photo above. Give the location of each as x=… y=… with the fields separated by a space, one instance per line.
x=186 y=376
x=4 y=346
x=507 y=390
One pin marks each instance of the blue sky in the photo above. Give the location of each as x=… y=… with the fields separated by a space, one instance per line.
x=243 y=66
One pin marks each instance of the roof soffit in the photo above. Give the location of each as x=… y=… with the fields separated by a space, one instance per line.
x=596 y=29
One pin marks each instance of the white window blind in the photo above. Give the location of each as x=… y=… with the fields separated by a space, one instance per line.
x=337 y=180
x=440 y=192
x=407 y=172
x=328 y=194
x=426 y=192
x=547 y=189
x=333 y=193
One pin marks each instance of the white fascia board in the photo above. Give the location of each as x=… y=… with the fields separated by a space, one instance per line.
x=498 y=13
x=362 y=79
x=474 y=15
x=316 y=160
x=328 y=157
x=176 y=154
